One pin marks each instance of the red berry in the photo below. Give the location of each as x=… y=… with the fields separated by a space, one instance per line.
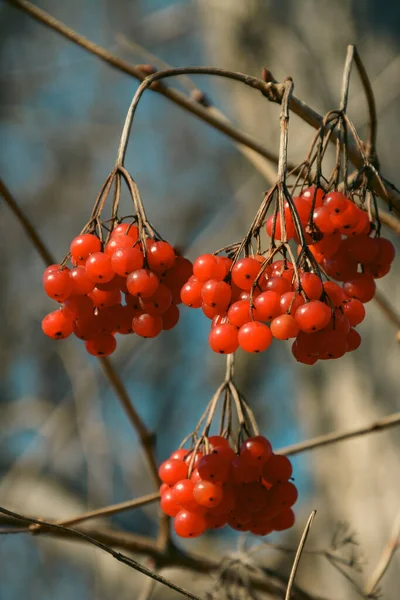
x=57 y=325
x=252 y=497
x=126 y=260
x=81 y=284
x=117 y=242
x=128 y=229
x=336 y=202
x=280 y=285
x=284 y=327
x=77 y=306
x=170 y=318
x=169 y=505
x=290 y=302
x=353 y=340
x=158 y=303
x=282 y=495
x=245 y=272
x=322 y=219
x=257 y=449
x=176 y=277
x=284 y=520
x=312 y=193
x=312 y=285
x=277 y=469
x=361 y=248
x=83 y=246
x=239 y=313
x=103 y=345
x=207 y=493
x=245 y=472
x=362 y=286
x=216 y=294
x=267 y=306
x=313 y=316
x=142 y=283
x=98 y=268
x=334 y=292
x=254 y=337
x=189 y=525
x=57 y=284
x=208 y=266
x=223 y=339
x=147 y=326
x=101 y=299
x=160 y=256
x=354 y=311
x=214 y=468
x=191 y=293
x=172 y=470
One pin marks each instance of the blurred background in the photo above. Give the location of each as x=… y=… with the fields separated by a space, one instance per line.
x=65 y=444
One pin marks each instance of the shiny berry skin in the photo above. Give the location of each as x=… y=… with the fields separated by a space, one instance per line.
x=313 y=192
x=142 y=283
x=189 y=525
x=267 y=306
x=57 y=284
x=183 y=492
x=223 y=339
x=160 y=256
x=290 y=302
x=147 y=326
x=284 y=327
x=126 y=260
x=81 y=284
x=322 y=220
x=57 y=325
x=277 y=469
x=313 y=316
x=191 y=293
x=280 y=285
x=256 y=449
x=216 y=294
x=312 y=285
x=353 y=340
x=158 y=303
x=239 y=313
x=245 y=272
x=254 y=337
x=128 y=229
x=168 y=504
x=362 y=286
x=207 y=493
x=208 y=266
x=103 y=345
x=354 y=310
x=98 y=268
x=83 y=246
x=117 y=242
x=336 y=203
x=170 y=318
x=101 y=299
x=348 y=220
x=172 y=470
x=334 y=292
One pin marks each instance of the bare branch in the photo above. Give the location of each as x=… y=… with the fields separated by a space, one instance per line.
x=385 y=559
x=298 y=554
x=339 y=436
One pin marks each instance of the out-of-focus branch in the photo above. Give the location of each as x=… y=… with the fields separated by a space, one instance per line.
x=388 y=311
x=339 y=436
x=272 y=90
x=384 y=562
x=370 y=147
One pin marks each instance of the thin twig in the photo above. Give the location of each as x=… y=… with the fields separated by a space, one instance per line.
x=370 y=146
x=274 y=93
x=298 y=554
x=107 y=511
x=117 y=555
x=339 y=436
x=384 y=562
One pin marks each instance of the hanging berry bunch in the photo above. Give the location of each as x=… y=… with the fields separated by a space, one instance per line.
x=317 y=299
x=227 y=479
x=124 y=278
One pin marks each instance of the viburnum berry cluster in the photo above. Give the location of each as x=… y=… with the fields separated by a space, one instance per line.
x=253 y=299
x=248 y=491
x=124 y=286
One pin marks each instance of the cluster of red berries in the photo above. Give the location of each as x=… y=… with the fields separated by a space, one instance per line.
x=321 y=316
x=115 y=289
x=249 y=491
